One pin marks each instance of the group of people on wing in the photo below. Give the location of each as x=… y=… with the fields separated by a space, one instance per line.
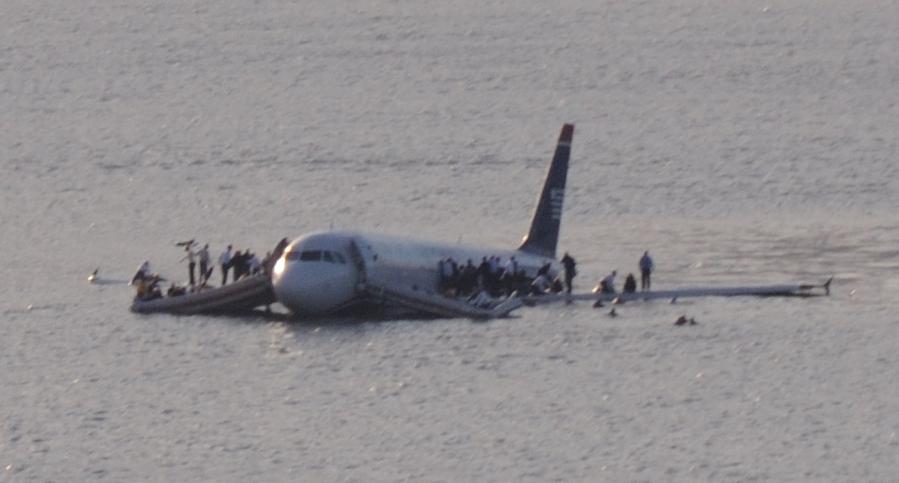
x=646 y=265
x=491 y=275
x=240 y=264
x=495 y=278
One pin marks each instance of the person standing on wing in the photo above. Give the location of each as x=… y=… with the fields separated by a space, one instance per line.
x=646 y=268
x=569 y=264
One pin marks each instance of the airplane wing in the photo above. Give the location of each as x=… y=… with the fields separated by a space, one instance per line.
x=784 y=290
x=436 y=304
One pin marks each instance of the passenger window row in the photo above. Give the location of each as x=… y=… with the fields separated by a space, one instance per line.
x=317 y=256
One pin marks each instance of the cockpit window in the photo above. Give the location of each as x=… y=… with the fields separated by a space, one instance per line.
x=316 y=256
x=311 y=256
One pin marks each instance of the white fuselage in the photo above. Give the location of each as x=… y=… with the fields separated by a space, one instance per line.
x=320 y=273
x=325 y=272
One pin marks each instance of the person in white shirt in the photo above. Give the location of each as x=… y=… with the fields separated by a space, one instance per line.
x=191 y=263
x=225 y=262
x=512 y=266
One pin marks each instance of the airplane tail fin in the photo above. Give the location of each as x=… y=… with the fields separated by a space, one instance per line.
x=543 y=236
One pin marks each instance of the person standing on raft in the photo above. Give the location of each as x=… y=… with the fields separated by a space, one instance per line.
x=191 y=258
x=225 y=263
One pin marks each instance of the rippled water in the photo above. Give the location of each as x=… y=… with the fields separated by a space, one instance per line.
x=740 y=143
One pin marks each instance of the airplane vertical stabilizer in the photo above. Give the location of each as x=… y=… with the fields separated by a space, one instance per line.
x=544 y=233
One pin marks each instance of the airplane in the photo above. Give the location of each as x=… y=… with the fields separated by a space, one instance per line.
x=335 y=272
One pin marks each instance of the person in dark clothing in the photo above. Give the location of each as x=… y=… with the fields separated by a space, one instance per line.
x=203 y=255
x=245 y=263
x=469 y=278
x=441 y=275
x=175 y=291
x=646 y=268
x=484 y=275
x=269 y=262
x=544 y=270
x=454 y=275
x=279 y=248
x=556 y=286
x=630 y=284
x=683 y=320
x=570 y=271
x=236 y=265
x=507 y=282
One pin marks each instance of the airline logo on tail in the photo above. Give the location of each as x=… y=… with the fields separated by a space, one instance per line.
x=556 y=199
x=543 y=235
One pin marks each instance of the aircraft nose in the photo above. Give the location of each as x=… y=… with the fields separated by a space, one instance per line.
x=312 y=287
x=289 y=284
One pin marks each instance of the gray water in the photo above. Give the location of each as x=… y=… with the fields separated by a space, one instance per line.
x=740 y=142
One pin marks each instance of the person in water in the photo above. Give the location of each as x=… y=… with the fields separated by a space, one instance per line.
x=683 y=320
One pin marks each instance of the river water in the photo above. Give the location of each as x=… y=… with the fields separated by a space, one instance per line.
x=739 y=142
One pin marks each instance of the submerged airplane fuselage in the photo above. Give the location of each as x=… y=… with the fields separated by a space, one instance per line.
x=324 y=273
x=321 y=273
